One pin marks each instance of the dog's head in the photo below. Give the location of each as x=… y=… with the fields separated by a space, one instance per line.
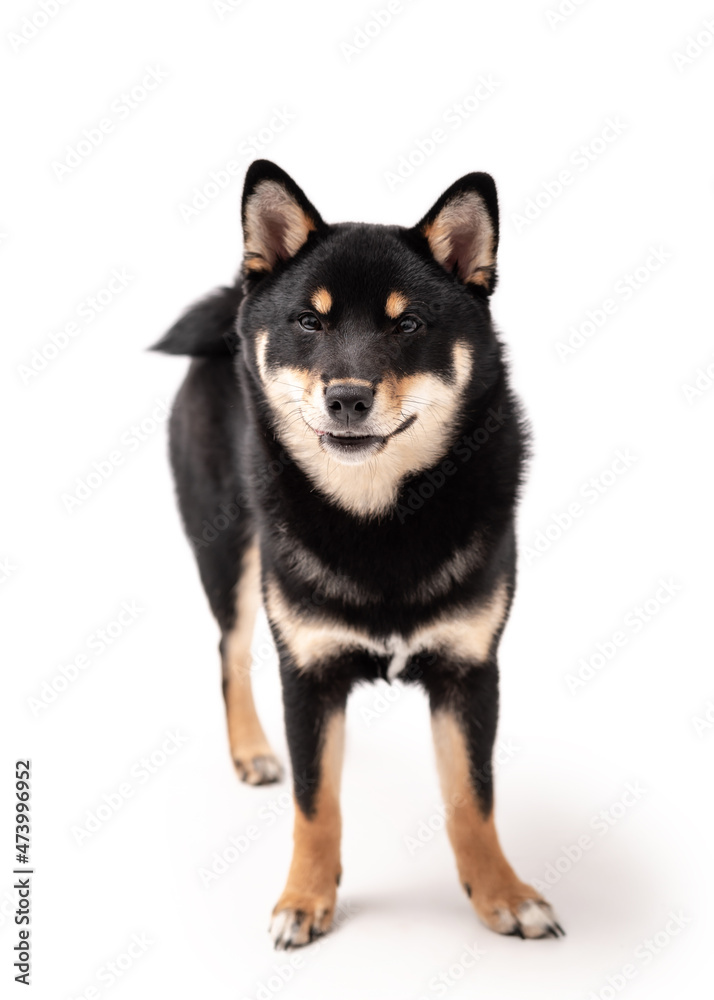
x=367 y=343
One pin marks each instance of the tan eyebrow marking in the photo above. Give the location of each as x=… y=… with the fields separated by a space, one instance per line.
x=322 y=300
x=396 y=304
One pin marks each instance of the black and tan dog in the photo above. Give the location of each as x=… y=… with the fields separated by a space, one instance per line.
x=346 y=443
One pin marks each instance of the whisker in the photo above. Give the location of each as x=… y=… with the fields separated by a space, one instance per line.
x=290 y=385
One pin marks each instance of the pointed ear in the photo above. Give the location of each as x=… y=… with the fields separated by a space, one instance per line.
x=277 y=217
x=462 y=230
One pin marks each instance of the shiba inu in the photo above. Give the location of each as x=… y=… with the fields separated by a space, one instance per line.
x=346 y=448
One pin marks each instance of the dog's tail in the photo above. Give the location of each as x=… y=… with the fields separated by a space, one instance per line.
x=206 y=329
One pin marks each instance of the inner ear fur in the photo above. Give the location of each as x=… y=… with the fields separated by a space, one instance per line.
x=277 y=217
x=462 y=230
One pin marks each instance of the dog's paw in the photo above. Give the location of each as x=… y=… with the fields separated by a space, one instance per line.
x=262 y=769
x=524 y=918
x=293 y=927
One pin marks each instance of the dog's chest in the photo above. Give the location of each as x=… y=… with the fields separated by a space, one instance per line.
x=314 y=640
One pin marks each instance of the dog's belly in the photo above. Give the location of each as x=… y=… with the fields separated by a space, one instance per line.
x=463 y=635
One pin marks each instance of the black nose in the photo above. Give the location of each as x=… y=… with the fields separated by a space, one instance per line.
x=348 y=403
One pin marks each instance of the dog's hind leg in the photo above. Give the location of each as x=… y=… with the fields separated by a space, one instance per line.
x=205 y=425
x=250 y=750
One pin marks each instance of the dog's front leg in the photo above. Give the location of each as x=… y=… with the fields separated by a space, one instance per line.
x=314 y=721
x=464 y=707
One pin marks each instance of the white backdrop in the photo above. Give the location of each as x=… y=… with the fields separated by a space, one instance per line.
x=128 y=126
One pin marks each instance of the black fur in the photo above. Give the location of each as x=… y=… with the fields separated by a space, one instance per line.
x=236 y=479
x=206 y=330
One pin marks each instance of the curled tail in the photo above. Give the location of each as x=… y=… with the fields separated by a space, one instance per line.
x=206 y=329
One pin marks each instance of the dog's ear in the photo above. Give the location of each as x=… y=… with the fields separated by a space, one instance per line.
x=277 y=217
x=462 y=230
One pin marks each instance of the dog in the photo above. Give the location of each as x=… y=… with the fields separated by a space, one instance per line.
x=346 y=447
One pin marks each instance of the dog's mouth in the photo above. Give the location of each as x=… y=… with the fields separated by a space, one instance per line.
x=350 y=440
x=355 y=447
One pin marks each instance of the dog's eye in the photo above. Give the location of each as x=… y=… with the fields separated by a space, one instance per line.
x=309 y=322
x=408 y=324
